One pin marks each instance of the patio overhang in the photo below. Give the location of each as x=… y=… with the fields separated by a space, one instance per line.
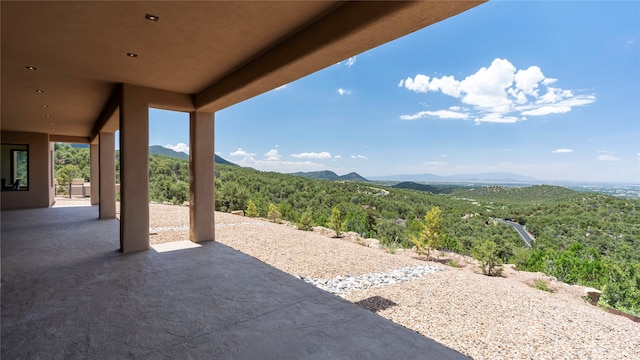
x=215 y=53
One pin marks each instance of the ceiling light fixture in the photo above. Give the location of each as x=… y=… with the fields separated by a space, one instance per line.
x=39 y=91
x=44 y=106
x=48 y=116
x=31 y=67
x=133 y=55
x=51 y=123
x=152 y=17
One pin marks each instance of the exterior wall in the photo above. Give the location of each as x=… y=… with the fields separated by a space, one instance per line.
x=38 y=195
x=52 y=181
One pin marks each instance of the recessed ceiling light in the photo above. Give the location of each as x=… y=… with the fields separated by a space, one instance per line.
x=133 y=55
x=152 y=17
x=51 y=123
x=31 y=67
x=53 y=130
x=44 y=106
x=39 y=91
x=48 y=116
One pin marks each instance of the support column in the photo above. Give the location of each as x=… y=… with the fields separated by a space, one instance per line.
x=201 y=178
x=134 y=170
x=107 y=177
x=94 y=154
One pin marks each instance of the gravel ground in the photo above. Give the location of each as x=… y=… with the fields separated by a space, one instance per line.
x=480 y=316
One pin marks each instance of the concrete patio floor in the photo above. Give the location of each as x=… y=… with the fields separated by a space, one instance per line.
x=67 y=293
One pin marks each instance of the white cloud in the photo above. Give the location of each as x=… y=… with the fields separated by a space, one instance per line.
x=436 y=163
x=272 y=155
x=419 y=84
x=312 y=155
x=179 y=147
x=342 y=91
x=241 y=152
x=498 y=93
x=496 y=118
x=338 y=157
x=528 y=80
x=546 y=110
x=442 y=114
x=562 y=151
x=281 y=87
x=607 y=158
x=359 y=157
x=351 y=61
x=271 y=163
x=447 y=84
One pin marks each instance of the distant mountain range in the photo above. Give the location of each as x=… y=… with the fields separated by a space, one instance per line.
x=484 y=177
x=330 y=175
x=161 y=150
x=409 y=179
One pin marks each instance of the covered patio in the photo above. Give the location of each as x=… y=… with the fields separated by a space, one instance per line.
x=76 y=282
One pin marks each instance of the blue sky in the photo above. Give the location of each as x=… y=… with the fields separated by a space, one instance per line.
x=543 y=89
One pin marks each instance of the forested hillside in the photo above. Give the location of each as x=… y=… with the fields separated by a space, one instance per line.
x=582 y=238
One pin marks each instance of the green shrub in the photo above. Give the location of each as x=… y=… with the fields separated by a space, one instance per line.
x=306 y=221
x=335 y=221
x=430 y=237
x=453 y=263
x=274 y=215
x=541 y=284
x=487 y=253
x=252 y=211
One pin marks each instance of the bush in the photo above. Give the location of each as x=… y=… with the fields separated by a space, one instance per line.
x=487 y=253
x=306 y=221
x=335 y=221
x=252 y=211
x=541 y=285
x=430 y=235
x=274 y=215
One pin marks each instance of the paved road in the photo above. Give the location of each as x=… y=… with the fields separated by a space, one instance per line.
x=521 y=231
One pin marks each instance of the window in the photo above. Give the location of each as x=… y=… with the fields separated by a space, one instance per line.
x=15 y=167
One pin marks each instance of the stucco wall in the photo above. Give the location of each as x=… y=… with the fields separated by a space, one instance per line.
x=38 y=194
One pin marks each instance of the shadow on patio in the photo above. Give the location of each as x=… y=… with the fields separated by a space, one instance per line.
x=68 y=293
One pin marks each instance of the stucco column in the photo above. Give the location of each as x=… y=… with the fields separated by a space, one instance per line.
x=201 y=181
x=107 y=177
x=94 y=174
x=134 y=170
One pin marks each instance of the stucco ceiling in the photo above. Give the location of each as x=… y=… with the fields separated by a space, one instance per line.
x=219 y=52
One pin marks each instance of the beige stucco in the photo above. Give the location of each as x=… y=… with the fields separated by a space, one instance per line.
x=134 y=169
x=51 y=170
x=94 y=173
x=201 y=180
x=107 y=176
x=39 y=172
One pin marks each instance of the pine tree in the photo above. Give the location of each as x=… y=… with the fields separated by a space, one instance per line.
x=430 y=236
x=486 y=252
x=274 y=215
x=335 y=221
x=306 y=220
x=252 y=211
